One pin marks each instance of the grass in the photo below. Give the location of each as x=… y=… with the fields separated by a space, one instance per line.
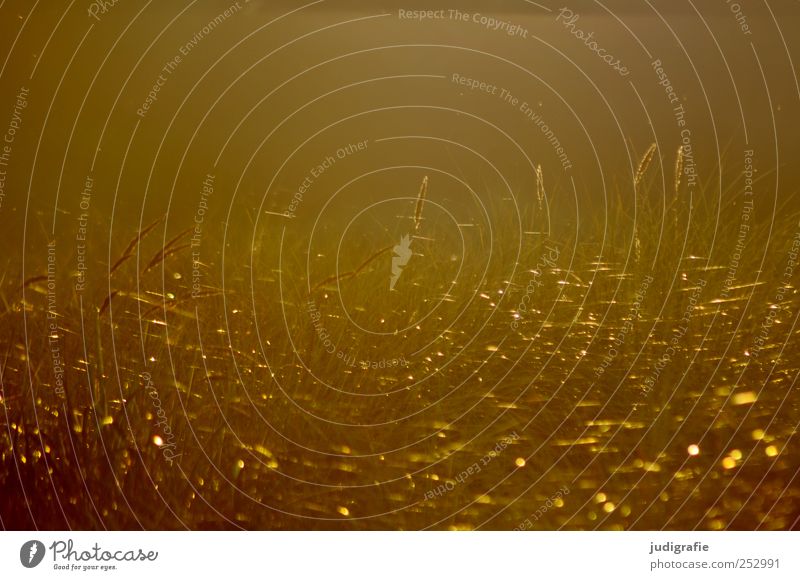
x=273 y=431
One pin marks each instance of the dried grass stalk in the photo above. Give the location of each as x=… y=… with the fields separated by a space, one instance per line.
x=133 y=243
x=168 y=250
x=106 y=302
x=33 y=280
x=352 y=273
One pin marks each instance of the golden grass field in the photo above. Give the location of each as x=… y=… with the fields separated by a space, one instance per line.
x=221 y=406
